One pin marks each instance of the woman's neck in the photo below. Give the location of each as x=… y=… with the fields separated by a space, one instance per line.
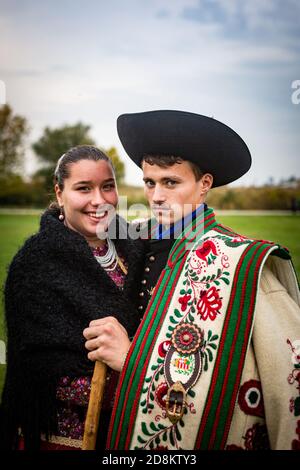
x=95 y=242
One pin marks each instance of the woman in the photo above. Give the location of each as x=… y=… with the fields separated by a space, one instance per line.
x=65 y=279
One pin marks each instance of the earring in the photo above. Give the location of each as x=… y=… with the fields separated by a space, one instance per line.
x=61 y=215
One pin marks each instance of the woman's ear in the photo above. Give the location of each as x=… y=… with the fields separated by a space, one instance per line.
x=58 y=193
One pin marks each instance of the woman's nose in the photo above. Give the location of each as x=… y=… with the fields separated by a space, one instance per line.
x=97 y=198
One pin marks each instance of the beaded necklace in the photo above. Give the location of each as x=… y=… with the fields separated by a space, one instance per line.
x=110 y=260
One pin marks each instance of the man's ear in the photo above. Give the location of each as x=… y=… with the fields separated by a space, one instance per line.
x=206 y=183
x=58 y=193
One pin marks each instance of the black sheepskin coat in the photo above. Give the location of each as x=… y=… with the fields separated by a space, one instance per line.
x=54 y=288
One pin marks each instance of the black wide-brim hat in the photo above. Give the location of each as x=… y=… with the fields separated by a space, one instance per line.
x=213 y=146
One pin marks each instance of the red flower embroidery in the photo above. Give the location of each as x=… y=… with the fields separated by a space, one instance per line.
x=163 y=348
x=209 y=303
x=257 y=438
x=238 y=239
x=250 y=398
x=184 y=301
x=296 y=442
x=161 y=395
x=204 y=250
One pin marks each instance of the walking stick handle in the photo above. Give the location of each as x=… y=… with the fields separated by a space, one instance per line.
x=94 y=408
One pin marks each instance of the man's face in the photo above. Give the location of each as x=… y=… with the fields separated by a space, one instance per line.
x=172 y=192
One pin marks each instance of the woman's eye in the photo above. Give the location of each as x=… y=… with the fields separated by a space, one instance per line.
x=109 y=187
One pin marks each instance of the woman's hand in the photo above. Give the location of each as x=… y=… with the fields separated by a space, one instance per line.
x=107 y=341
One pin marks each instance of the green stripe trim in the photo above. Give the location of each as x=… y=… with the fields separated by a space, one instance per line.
x=228 y=344
x=136 y=382
x=193 y=231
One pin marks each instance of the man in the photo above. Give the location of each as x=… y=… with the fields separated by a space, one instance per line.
x=215 y=363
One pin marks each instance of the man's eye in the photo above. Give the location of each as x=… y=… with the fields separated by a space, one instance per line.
x=149 y=184
x=171 y=183
x=83 y=188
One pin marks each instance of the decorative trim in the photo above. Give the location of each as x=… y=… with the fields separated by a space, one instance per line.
x=63 y=441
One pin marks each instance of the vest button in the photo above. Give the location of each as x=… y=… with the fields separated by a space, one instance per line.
x=141 y=294
x=147 y=269
x=144 y=281
x=152 y=258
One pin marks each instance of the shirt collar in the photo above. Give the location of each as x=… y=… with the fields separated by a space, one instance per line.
x=176 y=229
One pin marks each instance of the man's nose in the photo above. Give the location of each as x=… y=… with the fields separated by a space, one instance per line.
x=159 y=195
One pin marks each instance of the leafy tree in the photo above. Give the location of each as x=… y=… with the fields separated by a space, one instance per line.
x=13 y=129
x=117 y=163
x=54 y=142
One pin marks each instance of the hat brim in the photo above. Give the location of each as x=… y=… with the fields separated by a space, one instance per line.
x=213 y=146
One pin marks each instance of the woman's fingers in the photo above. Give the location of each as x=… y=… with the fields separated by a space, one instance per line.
x=107 y=341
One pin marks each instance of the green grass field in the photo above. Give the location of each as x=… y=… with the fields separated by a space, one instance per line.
x=282 y=229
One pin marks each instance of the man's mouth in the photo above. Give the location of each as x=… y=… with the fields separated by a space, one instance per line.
x=161 y=209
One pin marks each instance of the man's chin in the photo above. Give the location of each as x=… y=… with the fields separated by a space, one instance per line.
x=164 y=219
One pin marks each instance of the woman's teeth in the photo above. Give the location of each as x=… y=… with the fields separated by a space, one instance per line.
x=98 y=215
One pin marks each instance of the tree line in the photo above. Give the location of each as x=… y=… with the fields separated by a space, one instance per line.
x=15 y=190
x=37 y=191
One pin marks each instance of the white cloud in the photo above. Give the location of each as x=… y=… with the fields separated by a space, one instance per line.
x=92 y=64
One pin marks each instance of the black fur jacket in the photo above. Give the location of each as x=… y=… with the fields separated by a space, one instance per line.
x=54 y=288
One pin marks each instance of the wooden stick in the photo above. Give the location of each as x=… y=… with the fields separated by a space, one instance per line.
x=94 y=408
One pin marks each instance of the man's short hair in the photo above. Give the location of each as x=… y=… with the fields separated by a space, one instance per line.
x=164 y=161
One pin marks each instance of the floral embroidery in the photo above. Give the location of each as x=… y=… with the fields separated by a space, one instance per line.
x=296 y=442
x=250 y=398
x=187 y=338
x=161 y=395
x=209 y=304
x=184 y=301
x=256 y=438
x=233 y=242
x=198 y=299
x=207 y=252
x=294 y=378
x=163 y=348
x=155 y=390
x=200 y=292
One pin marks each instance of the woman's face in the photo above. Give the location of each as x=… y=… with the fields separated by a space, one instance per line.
x=89 y=198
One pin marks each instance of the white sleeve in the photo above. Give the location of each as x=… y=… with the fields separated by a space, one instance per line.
x=276 y=337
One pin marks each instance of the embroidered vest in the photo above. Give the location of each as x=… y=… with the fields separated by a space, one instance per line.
x=181 y=377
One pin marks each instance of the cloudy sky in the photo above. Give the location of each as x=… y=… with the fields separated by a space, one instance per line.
x=68 y=60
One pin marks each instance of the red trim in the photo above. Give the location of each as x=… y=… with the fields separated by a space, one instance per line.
x=232 y=233
x=144 y=370
x=171 y=261
x=127 y=360
x=132 y=418
x=221 y=347
x=244 y=347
